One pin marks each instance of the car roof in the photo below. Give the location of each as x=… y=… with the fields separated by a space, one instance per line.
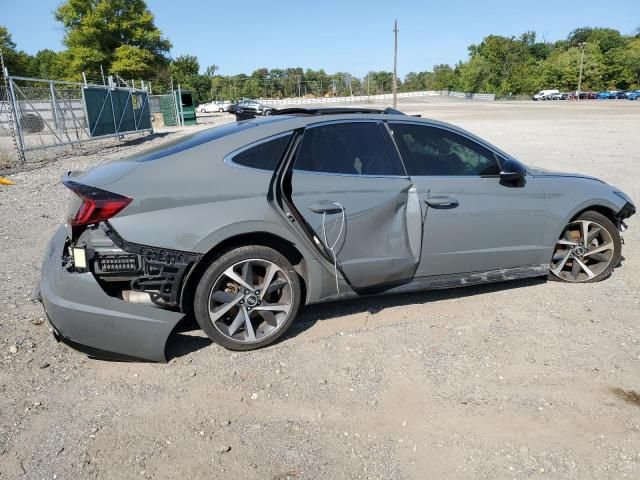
x=238 y=134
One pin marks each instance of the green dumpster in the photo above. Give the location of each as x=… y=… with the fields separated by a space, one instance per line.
x=188 y=108
x=169 y=103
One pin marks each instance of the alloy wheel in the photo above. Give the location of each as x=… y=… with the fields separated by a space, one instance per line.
x=585 y=250
x=250 y=301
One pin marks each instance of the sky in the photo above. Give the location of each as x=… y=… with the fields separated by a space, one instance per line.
x=348 y=35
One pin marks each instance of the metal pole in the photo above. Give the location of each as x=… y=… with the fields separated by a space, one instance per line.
x=181 y=112
x=102 y=74
x=395 y=64
x=113 y=112
x=54 y=108
x=581 y=64
x=86 y=111
x=16 y=119
x=84 y=79
x=15 y=128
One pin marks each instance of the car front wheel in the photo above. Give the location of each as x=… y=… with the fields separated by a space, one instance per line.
x=588 y=249
x=247 y=298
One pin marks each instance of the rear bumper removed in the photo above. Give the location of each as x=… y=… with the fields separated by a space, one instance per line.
x=88 y=319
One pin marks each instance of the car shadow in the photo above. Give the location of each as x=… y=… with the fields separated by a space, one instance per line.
x=311 y=314
x=188 y=338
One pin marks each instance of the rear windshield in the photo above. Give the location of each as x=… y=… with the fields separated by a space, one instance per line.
x=180 y=144
x=183 y=143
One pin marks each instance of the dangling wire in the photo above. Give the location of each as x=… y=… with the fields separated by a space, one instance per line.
x=332 y=247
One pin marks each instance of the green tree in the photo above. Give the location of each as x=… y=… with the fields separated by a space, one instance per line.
x=49 y=64
x=184 y=67
x=211 y=70
x=120 y=35
x=16 y=61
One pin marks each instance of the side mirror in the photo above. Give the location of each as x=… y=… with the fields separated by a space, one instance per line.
x=512 y=172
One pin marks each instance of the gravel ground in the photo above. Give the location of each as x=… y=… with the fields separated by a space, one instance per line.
x=530 y=379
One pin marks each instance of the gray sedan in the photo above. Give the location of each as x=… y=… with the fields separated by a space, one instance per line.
x=242 y=224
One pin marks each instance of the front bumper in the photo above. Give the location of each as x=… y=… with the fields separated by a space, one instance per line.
x=88 y=319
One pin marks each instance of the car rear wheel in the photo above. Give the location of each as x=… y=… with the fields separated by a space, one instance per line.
x=220 y=110
x=247 y=298
x=588 y=249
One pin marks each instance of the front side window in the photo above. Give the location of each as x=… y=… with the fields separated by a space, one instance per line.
x=265 y=155
x=434 y=151
x=347 y=148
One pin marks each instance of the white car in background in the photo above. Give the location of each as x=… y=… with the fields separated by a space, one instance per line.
x=545 y=94
x=214 y=107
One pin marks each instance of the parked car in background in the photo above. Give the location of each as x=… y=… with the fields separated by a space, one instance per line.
x=613 y=95
x=544 y=94
x=587 y=95
x=248 y=108
x=621 y=94
x=211 y=107
x=633 y=95
x=559 y=96
x=602 y=95
x=242 y=224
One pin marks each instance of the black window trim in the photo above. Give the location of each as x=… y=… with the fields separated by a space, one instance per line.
x=500 y=158
x=228 y=159
x=395 y=155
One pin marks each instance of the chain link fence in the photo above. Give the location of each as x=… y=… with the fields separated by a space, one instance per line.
x=10 y=152
x=41 y=120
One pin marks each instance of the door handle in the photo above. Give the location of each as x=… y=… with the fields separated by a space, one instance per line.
x=325 y=207
x=442 y=202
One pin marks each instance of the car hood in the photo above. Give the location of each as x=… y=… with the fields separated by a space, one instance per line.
x=543 y=172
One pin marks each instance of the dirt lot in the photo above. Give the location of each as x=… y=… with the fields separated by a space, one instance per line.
x=506 y=381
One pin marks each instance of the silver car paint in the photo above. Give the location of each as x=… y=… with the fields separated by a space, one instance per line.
x=192 y=200
x=494 y=225
x=84 y=314
x=375 y=246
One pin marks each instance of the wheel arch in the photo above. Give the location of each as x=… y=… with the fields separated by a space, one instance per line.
x=600 y=208
x=262 y=238
x=559 y=222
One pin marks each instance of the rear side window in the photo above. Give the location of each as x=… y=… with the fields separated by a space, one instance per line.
x=265 y=155
x=347 y=148
x=435 y=151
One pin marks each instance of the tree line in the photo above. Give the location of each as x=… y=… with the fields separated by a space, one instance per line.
x=120 y=38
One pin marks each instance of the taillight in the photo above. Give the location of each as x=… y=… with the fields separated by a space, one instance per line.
x=97 y=205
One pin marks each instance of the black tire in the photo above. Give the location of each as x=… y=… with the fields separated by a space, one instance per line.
x=267 y=113
x=216 y=270
x=614 y=233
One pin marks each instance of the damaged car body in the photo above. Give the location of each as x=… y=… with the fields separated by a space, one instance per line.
x=241 y=225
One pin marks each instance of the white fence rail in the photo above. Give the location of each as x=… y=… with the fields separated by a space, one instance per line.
x=374 y=98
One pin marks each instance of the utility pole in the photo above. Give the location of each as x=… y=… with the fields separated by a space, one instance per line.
x=582 y=45
x=395 y=64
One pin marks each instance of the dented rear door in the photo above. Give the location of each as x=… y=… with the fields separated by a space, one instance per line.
x=351 y=188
